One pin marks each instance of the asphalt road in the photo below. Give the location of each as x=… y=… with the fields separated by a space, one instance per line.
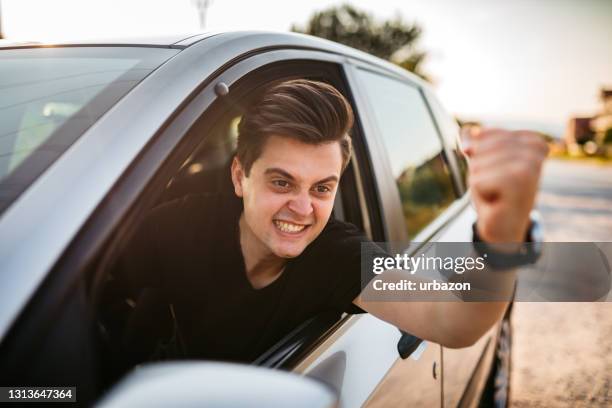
x=562 y=352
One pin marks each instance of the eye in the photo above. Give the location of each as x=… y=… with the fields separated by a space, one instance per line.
x=280 y=183
x=323 y=189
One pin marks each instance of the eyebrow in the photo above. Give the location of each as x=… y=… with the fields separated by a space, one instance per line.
x=290 y=177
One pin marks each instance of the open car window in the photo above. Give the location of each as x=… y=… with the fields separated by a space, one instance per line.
x=140 y=324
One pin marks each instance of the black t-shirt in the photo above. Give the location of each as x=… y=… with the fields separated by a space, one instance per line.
x=189 y=248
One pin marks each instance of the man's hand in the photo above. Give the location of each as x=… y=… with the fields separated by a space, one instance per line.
x=504 y=174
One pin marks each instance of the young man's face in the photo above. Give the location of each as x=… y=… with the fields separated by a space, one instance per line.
x=288 y=195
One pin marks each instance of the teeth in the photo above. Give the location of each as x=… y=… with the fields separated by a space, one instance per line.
x=288 y=227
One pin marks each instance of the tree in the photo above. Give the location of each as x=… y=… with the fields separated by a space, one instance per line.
x=393 y=40
x=607 y=139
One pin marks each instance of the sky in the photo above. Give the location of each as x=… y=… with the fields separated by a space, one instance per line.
x=519 y=64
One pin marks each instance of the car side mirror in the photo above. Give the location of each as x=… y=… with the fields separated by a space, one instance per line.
x=206 y=384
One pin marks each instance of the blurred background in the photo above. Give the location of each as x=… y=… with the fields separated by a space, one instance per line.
x=542 y=65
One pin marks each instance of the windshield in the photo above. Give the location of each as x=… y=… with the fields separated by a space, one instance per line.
x=51 y=96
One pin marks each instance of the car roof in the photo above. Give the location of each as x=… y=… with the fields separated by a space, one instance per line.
x=182 y=41
x=150 y=41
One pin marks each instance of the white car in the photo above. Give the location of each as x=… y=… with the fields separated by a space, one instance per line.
x=93 y=134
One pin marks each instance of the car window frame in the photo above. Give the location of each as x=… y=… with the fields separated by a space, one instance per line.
x=295 y=346
x=389 y=199
x=460 y=179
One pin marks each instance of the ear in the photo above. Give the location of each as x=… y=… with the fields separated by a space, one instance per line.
x=237 y=176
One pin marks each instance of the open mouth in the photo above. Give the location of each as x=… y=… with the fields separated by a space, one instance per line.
x=289 y=227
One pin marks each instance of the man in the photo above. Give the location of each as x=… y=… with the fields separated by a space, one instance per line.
x=272 y=258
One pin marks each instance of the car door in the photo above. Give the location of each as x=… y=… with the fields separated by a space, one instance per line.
x=426 y=195
x=407 y=147
x=466 y=369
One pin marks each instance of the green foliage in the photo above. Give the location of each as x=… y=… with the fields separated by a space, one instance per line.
x=425 y=191
x=608 y=136
x=582 y=141
x=422 y=188
x=392 y=40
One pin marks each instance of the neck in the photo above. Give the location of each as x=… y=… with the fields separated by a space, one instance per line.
x=262 y=266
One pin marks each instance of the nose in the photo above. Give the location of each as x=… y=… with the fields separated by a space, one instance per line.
x=301 y=204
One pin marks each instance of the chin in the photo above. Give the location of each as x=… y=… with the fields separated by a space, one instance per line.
x=289 y=253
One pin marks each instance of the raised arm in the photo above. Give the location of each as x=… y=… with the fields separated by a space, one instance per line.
x=504 y=175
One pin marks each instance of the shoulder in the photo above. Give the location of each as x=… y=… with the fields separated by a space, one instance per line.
x=342 y=231
x=338 y=237
x=342 y=240
x=334 y=262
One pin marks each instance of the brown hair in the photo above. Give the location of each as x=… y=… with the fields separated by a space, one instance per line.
x=309 y=111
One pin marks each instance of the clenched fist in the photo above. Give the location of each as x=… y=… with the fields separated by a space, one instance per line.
x=504 y=174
